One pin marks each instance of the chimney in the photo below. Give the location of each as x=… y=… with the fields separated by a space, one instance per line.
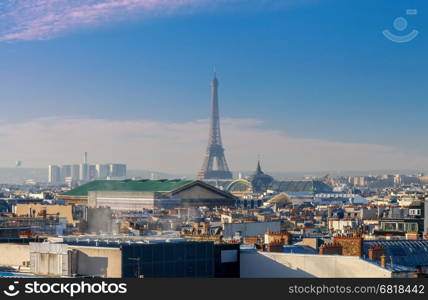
x=330 y=212
x=352 y=246
x=287 y=238
x=205 y=227
x=196 y=228
x=375 y=252
x=418 y=273
x=331 y=249
x=274 y=247
x=383 y=261
x=284 y=238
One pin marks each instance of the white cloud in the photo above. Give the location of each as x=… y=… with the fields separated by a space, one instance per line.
x=179 y=147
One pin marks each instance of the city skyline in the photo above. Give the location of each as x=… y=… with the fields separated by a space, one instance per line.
x=353 y=102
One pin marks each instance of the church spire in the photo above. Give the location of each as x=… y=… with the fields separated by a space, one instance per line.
x=259 y=168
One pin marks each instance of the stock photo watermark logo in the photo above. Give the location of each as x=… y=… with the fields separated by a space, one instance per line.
x=400 y=24
x=70 y=289
x=12 y=290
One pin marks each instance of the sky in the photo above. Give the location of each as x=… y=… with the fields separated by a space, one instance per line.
x=309 y=85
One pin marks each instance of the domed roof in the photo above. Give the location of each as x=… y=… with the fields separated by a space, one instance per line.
x=260 y=180
x=239 y=185
x=280 y=199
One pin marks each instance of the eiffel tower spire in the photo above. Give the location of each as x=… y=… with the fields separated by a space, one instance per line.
x=215 y=165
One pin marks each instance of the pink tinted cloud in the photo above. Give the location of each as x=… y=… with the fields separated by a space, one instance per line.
x=45 y=19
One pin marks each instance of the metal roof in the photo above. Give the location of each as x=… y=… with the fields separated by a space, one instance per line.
x=128 y=185
x=117 y=241
x=410 y=253
x=310 y=186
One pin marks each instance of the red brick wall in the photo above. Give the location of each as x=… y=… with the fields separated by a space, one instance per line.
x=352 y=246
x=331 y=249
x=281 y=237
x=274 y=247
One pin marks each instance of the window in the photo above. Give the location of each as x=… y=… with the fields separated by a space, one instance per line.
x=390 y=226
x=414 y=212
x=411 y=227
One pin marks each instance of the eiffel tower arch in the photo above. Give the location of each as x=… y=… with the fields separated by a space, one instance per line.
x=215 y=165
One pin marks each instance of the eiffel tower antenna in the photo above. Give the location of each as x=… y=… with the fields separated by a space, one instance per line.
x=215 y=165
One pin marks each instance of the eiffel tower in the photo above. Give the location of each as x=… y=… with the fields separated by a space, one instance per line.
x=215 y=165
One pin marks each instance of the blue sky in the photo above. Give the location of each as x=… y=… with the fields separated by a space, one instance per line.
x=315 y=69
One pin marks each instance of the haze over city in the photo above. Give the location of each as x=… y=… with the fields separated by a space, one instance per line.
x=213 y=139
x=113 y=79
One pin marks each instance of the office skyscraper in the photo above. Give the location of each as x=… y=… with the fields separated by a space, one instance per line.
x=54 y=174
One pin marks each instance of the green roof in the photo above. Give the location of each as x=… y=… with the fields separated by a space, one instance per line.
x=144 y=185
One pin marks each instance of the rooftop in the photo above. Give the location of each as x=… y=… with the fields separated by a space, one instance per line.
x=119 y=240
x=409 y=253
x=144 y=185
x=310 y=186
